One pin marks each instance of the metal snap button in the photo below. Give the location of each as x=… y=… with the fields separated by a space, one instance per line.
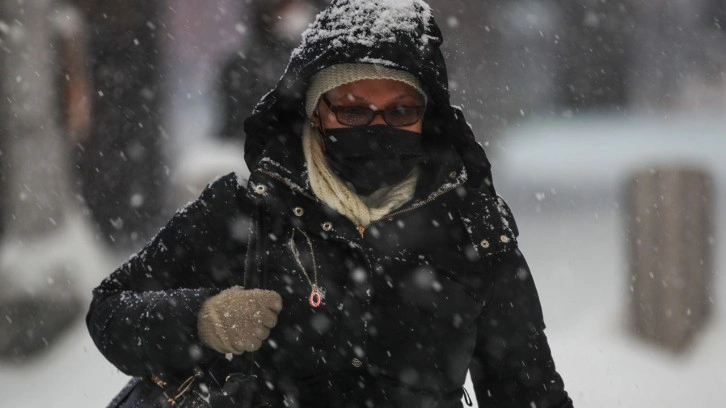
x=260 y=189
x=298 y=211
x=356 y=363
x=327 y=226
x=504 y=239
x=484 y=244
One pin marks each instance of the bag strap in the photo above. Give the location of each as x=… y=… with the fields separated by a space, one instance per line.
x=255 y=277
x=255 y=274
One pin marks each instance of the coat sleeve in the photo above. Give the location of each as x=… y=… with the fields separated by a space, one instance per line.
x=143 y=317
x=512 y=364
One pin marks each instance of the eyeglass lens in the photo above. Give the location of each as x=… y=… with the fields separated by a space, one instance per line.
x=356 y=116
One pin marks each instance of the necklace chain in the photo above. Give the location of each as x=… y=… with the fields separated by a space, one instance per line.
x=315 y=294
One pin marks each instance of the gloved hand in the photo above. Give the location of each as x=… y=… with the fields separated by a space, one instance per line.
x=238 y=320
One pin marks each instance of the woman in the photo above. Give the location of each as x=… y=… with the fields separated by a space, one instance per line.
x=389 y=264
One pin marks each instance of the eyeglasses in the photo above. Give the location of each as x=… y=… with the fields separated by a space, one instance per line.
x=400 y=116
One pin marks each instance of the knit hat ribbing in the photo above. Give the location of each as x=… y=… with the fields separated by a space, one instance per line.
x=341 y=74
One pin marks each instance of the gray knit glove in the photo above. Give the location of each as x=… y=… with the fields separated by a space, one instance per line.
x=238 y=320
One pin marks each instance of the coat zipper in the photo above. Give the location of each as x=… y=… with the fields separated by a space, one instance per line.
x=287 y=183
x=362 y=229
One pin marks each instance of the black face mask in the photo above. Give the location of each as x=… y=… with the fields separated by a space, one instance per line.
x=371 y=157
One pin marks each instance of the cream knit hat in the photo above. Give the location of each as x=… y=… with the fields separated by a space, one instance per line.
x=341 y=74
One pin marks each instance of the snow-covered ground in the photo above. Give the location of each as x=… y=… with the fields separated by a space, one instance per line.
x=71 y=373
x=578 y=263
x=563 y=181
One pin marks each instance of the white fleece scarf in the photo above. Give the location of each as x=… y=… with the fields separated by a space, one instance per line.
x=337 y=194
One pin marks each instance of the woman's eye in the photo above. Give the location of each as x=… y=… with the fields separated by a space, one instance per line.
x=401 y=111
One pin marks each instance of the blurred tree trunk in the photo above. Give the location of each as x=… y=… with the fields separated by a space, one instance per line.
x=37 y=301
x=3 y=134
x=34 y=156
x=121 y=166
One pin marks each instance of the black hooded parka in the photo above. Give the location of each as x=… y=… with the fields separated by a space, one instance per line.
x=411 y=302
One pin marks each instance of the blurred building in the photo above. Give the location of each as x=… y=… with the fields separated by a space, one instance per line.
x=511 y=60
x=271 y=30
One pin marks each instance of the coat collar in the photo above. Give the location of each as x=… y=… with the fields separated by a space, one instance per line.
x=283 y=160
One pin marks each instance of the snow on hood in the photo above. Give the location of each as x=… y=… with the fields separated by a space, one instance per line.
x=368 y=23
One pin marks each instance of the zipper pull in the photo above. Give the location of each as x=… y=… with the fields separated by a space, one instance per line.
x=467 y=398
x=361 y=230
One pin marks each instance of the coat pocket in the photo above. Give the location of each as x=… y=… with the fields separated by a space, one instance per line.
x=489 y=224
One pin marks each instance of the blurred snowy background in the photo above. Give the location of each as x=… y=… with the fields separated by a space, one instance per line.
x=114 y=113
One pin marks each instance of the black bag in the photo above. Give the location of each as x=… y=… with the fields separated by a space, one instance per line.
x=196 y=391
x=204 y=389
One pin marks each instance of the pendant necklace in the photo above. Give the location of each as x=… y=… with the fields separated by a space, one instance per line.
x=316 y=295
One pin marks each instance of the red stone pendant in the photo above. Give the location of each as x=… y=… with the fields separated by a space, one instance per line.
x=315 y=298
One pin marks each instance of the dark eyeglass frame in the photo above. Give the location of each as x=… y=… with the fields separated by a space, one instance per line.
x=337 y=110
